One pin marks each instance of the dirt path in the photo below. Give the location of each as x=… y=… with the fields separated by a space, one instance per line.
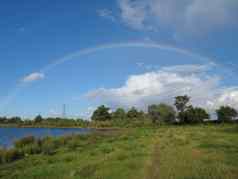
x=153 y=167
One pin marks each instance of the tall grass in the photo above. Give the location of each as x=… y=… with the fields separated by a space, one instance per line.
x=166 y=152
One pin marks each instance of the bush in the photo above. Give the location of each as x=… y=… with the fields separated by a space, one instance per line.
x=62 y=141
x=21 y=143
x=2 y=155
x=48 y=146
x=12 y=155
x=48 y=149
x=32 y=149
x=73 y=144
x=101 y=124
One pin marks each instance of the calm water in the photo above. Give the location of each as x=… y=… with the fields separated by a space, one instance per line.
x=9 y=135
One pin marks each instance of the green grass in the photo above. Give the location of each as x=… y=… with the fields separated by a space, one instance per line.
x=167 y=152
x=105 y=155
x=196 y=152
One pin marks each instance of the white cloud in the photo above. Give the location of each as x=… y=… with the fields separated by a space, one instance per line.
x=133 y=13
x=54 y=113
x=33 y=77
x=106 y=13
x=163 y=85
x=189 y=69
x=88 y=112
x=229 y=96
x=183 y=16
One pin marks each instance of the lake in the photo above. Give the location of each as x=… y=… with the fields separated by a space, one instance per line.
x=9 y=135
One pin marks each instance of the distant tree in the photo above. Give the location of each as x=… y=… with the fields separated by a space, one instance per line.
x=181 y=102
x=161 y=113
x=226 y=114
x=38 y=119
x=119 y=114
x=3 y=120
x=28 y=122
x=193 y=115
x=134 y=114
x=15 y=120
x=101 y=114
x=141 y=114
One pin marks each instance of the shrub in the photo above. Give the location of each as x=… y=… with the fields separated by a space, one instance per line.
x=101 y=124
x=106 y=149
x=48 y=146
x=32 y=149
x=2 y=155
x=73 y=144
x=21 y=143
x=62 y=141
x=12 y=155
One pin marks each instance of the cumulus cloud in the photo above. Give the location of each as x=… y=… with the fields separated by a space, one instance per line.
x=164 y=84
x=228 y=96
x=194 y=16
x=106 y=13
x=33 y=77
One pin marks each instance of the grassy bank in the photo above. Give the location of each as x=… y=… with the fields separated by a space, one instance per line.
x=176 y=152
x=113 y=154
x=196 y=152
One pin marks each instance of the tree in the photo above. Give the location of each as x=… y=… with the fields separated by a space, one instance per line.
x=119 y=114
x=101 y=114
x=181 y=102
x=181 y=105
x=193 y=115
x=133 y=113
x=15 y=120
x=38 y=119
x=226 y=114
x=161 y=113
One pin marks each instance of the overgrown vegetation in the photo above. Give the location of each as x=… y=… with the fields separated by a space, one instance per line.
x=200 y=152
x=103 y=154
x=175 y=152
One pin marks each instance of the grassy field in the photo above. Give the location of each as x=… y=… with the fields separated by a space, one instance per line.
x=168 y=152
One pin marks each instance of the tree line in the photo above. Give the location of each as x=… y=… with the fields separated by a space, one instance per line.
x=181 y=113
x=43 y=122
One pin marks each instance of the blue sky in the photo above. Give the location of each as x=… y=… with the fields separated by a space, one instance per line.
x=35 y=34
